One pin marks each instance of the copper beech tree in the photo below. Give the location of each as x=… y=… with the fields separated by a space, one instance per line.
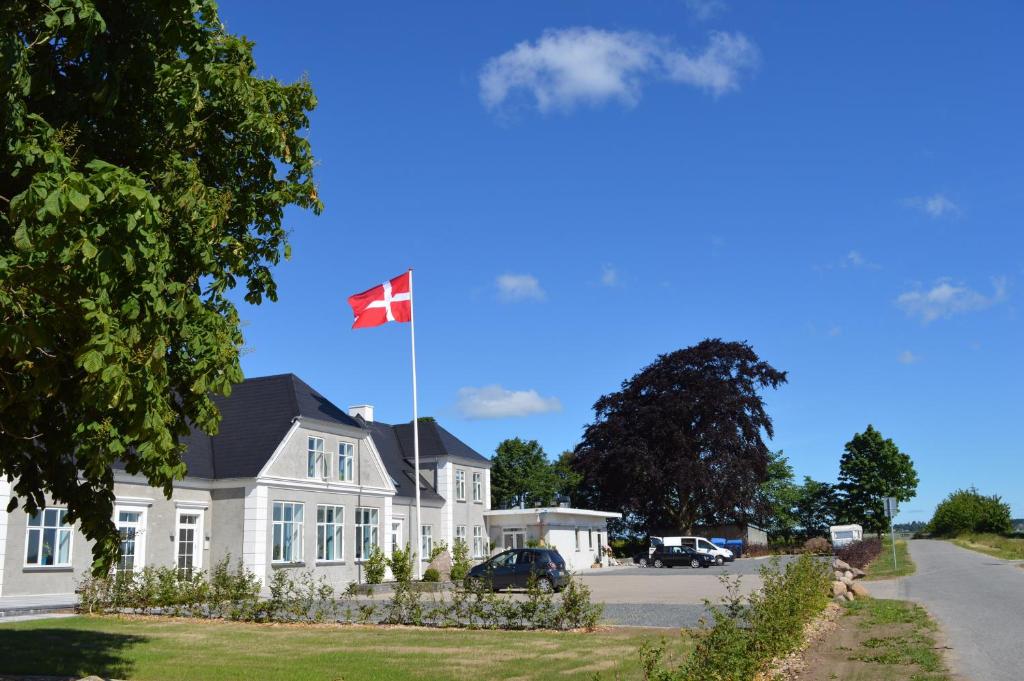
x=144 y=173
x=682 y=442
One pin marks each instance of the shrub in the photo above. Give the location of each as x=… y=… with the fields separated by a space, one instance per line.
x=577 y=611
x=401 y=563
x=460 y=560
x=376 y=566
x=859 y=553
x=431 y=575
x=818 y=545
x=439 y=548
x=967 y=510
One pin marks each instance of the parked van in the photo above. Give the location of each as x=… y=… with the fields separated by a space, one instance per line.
x=698 y=544
x=845 y=534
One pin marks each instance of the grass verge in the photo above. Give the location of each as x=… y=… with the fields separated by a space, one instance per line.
x=882 y=567
x=163 y=649
x=995 y=545
x=880 y=640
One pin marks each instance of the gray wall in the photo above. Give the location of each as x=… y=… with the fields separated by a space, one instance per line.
x=226 y=525
x=291 y=463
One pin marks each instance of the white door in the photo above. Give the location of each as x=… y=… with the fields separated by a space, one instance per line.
x=396 y=535
x=189 y=542
x=513 y=538
x=131 y=526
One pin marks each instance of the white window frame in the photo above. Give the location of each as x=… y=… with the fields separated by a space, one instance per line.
x=460 y=484
x=59 y=529
x=577 y=540
x=478 y=488
x=361 y=527
x=336 y=527
x=346 y=461
x=479 y=543
x=396 y=534
x=200 y=537
x=426 y=541
x=316 y=458
x=460 y=533
x=297 y=546
x=140 y=532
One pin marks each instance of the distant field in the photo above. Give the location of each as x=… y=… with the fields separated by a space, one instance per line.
x=164 y=649
x=1009 y=548
x=882 y=567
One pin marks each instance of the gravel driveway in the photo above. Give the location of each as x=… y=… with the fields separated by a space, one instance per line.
x=979 y=600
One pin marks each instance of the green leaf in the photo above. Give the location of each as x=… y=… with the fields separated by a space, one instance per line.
x=88 y=250
x=52 y=203
x=91 y=361
x=79 y=200
x=21 y=240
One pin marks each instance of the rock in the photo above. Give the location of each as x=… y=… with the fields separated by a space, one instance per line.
x=859 y=590
x=840 y=565
x=848 y=574
x=443 y=564
x=858 y=573
x=847 y=581
x=848 y=596
x=838 y=589
x=838 y=574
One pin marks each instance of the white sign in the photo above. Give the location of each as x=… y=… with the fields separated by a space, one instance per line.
x=891 y=506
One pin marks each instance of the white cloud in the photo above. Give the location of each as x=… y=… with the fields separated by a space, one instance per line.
x=835 y=331
x=703 y=10
x=936 y=205
x=496 y=402
x=852 y=260
x=945 y=299
x=572 y=66
x=515 y=287
x=609 y=276
x=907 y=357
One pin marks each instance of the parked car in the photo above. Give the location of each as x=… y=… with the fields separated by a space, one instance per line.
x=512 y=569
x=699 y=544
x=671 y=556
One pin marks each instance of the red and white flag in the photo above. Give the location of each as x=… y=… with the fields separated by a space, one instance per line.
x=389 y=302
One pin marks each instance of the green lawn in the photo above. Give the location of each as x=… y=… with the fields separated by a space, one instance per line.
x=160 y=649
x=882 y=568
x=998 y=546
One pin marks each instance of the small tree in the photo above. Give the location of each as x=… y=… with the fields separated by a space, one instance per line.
x=871 y=469
x=967 y=510
x=815 y=508
x=460 y=560
x=775 y=502
x=520 y=472
x=376 y=565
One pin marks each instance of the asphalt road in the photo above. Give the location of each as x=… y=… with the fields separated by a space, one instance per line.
x=978 y=600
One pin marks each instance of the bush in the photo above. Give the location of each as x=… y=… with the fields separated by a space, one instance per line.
x=431 y=575
x=460 y=560
x=969 y=511
x=746 y=636
x=401 y=564
x=859 y=553
x=439 y=548
x=818 y=545
x=376 y=566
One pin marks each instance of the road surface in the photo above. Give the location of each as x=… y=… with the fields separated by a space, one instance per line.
x=978 y=600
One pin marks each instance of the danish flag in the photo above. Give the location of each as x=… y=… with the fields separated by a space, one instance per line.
x=389 y=302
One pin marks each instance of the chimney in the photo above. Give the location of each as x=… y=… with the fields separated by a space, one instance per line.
x=364 y=410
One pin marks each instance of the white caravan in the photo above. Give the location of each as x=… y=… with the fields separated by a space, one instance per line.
x=698 y=544
x=845 y=534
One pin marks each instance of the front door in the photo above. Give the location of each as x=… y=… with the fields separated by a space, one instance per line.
x=131 y=526
x=396 y=535
x=189 y=541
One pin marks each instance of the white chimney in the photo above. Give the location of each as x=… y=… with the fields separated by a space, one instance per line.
x=364 y=410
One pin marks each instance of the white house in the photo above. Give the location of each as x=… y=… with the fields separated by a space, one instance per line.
x=579 y=534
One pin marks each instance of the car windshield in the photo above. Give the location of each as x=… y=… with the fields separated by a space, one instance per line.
x=502 y=559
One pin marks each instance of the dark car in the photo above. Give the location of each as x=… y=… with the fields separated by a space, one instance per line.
x=512 y=569
x=671 y=556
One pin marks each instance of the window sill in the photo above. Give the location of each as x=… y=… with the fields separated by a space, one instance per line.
x=328 y=563
x=478 y=502
x=282 y=564
x=47 y=568
x=461 y=501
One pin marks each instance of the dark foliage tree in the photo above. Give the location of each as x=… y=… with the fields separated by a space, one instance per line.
x=967 y=510
x=144 y=174
x=871 y=469
x=816 y=507
x=521 y=473
x=682 y=441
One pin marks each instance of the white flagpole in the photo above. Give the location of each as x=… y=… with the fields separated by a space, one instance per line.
x=415 y=434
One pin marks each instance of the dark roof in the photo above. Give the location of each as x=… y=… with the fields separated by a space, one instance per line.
x=436 y=442
x=398 y=466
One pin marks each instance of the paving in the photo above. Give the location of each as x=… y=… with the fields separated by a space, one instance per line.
x=978 y=600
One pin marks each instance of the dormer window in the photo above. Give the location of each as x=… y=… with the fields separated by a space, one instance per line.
x=316 y=464
x=346 y=456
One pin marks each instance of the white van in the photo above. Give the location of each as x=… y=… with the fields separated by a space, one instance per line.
x=698 y=544
x=845 y=534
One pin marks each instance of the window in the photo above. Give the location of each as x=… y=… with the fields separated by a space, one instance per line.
x=188 y=535
x=330 y=533
x=287 y=532
x=479 y=547
x=590 y=539
x=478 y=487
x=460 y=484
x=345 y=461
x=131 y=526
x=577 y=539
x=316 y=464
x=366 y=532
x=460 y=533
x=426 y=540
x=396 y=535
x=48 y=543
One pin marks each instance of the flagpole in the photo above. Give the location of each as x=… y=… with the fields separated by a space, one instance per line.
x=415 y=434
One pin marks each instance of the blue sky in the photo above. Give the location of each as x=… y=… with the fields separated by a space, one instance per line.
x=582 y=186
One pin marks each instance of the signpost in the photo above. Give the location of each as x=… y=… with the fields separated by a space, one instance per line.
x=891 y=509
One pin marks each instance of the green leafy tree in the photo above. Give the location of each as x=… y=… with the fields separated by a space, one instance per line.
x=815 y=509
x=568 y=478
x=520 y=473
x=776 y=500
x=683 y=440
x=144 y=174
x=967 y=510
x=871 y=469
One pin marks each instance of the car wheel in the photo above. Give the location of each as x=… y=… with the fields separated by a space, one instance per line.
x=694 y=563
x=545 y=585
x=642 y=562
x=658 y=563
x=719 y=561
